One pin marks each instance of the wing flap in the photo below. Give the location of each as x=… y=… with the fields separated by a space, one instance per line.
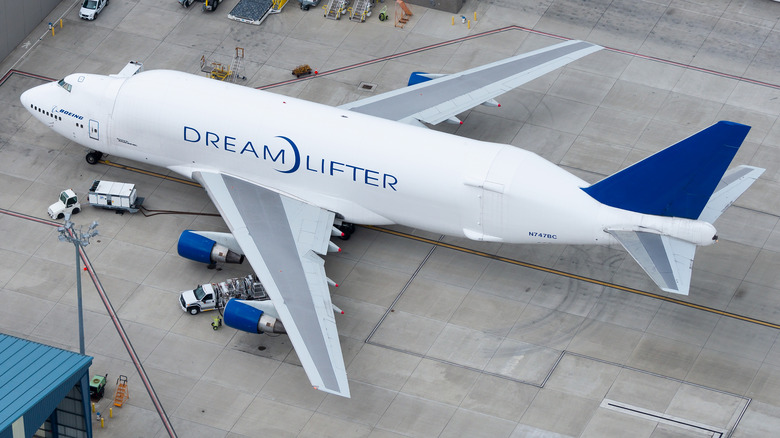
x=279 y=236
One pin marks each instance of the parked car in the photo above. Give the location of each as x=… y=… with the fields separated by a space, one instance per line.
x=91 y=8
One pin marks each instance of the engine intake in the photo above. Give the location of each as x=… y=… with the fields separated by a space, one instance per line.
x=241 y=315
x=193 y=246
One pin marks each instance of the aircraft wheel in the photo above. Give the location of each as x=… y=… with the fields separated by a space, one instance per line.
x=93 y=157
x=347 y=229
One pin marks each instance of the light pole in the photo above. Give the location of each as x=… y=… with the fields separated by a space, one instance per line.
x=79 y=239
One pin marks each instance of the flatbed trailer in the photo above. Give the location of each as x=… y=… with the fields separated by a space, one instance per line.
x=251 y=11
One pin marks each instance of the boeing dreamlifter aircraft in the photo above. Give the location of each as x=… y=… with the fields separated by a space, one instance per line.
x=287 y=174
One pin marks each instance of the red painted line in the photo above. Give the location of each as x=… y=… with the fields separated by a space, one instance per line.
x=524 y=29
x=114 y=318
x=10 y=73
x=128 y=345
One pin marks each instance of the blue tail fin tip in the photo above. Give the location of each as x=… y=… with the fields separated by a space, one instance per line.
x=677 y=181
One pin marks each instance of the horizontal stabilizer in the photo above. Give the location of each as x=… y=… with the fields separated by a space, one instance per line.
x=667 y=260
x=731 y=186
x=677 y=181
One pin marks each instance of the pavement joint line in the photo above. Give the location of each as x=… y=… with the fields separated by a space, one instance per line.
x=400 y=294
x=114 y=318
x=651 y=373
x=636 y=411
x=576 y=277
x=661 y=417
x=466 y=367
x=746 y=399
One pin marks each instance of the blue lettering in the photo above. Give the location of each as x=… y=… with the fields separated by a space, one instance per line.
x=308 y=167
x=213 y=142
x=542 y=235
x=249 y=147
x=354 y=171
x=193 y=130
x=70 y=114
x=333 y=168
x=267 y=152
x=371 y=178
x=229 y=144
x=386 y=183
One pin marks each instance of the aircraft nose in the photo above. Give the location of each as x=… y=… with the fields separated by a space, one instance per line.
x=32 y=97
x=35 y=97
x=26 y=98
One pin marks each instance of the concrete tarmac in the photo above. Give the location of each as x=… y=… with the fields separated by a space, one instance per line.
x=442 y=337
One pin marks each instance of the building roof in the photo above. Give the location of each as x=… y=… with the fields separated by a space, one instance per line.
x=36 y=376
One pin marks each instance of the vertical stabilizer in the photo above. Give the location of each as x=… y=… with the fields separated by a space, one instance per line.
x=677 y=181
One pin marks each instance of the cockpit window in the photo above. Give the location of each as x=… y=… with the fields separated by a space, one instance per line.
x=65 y=85
x=90 y=4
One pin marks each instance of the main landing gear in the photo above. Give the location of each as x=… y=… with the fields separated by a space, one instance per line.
x=347 y=229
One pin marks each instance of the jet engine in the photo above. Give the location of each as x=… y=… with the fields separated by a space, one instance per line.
x=242 y=315
x=196 y=247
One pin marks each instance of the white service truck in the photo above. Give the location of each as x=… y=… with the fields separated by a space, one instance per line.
x=114 y=196
x=212 y=296
x=67 y=204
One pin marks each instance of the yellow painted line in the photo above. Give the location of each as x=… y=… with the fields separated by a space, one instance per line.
x=150 y=173
x=575 y=277
x=502 y=259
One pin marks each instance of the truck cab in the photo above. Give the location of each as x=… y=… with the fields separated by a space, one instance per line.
x=200 y=299
x=91 y=8
x=67 y=204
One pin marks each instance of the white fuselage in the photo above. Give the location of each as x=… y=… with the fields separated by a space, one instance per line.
x=366 y=169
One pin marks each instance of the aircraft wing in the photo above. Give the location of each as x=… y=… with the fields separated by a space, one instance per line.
x=439 y=99
x=280 y=235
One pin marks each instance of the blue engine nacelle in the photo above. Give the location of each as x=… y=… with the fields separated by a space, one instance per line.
x=202 y=249
x=240 y=315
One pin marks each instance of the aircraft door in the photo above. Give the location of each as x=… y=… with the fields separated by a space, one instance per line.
x=93 y=130
x=492 y=209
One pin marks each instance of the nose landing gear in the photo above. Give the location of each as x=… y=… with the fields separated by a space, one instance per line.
x=94 y=156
